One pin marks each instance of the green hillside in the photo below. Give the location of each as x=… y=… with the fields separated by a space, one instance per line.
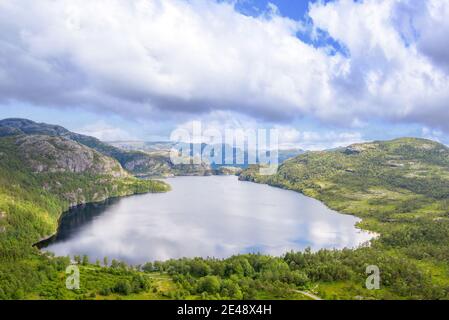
x=401 y=190
x=40 y=177
x=407 y=174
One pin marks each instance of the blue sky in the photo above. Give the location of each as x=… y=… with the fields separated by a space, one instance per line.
x=324 y=73
x=293 y=9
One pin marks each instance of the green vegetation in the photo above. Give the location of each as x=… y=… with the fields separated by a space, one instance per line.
x=30 y=205
x=249 y=276
x=400 y=188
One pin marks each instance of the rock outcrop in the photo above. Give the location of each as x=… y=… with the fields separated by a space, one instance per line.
x=137 y=162
x=57 y=154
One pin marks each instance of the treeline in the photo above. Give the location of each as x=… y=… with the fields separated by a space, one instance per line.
x=20 y=278
x=255 y=276
x=238 y=277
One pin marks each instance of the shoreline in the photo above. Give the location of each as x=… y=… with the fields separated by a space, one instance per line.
x=375 y=235
x=368 y=234
x=65 y=212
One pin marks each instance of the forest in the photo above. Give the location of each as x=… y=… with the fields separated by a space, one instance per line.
x=398 y=188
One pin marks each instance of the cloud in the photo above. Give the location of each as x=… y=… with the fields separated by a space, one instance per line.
x=432 y=27
x=290 y=137
x=154 y=59
x=206 y=128
x=140 y=56
x=391 y=74
x=431 y=134
x=105 y=132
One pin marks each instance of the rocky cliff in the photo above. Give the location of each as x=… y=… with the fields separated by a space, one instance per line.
x=137 y=162
x=57 y=154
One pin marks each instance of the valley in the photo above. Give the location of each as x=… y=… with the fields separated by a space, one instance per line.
x=399 y=189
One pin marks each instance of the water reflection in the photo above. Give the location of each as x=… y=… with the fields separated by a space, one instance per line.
x=203 y=216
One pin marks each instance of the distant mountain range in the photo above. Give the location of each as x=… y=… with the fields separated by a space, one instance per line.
x=136 y=162
x=139 y=158
x=229 y=154
x=400 y=188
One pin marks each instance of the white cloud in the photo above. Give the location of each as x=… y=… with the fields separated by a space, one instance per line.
x=431 y=134
x=105 y=132
x=315 y=140
x=388 y=75
x=289 y=137
x=173 y=55
x=140 y=57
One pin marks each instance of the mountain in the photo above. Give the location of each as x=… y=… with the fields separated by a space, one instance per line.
x=56 y=167
x=147 y=146
x=409 y=164
x=159 y=164
x=24 y=126
x=42 y=176
x=400 y=189
x=229 y=154
x=285 y=154
x=136 y=162
x=43 y=153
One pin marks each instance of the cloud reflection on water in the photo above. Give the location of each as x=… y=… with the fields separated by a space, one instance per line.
x=205 y=216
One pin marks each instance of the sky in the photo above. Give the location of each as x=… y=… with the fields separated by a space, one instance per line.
x=323 y=73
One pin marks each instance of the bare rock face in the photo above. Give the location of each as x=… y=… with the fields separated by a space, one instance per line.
x=147 y=164
x=58 y=154
x=357 y=148
x=158 y=163
x=154 y=163
x=229 y=171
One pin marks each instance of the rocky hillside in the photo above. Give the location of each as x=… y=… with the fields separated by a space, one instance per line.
x=160 y=159
x=42 y=176
x=136 y=162
x=159 y=164
x=57 y=154
x=16 y=126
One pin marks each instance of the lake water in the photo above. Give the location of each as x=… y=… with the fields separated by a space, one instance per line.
x=216 y=216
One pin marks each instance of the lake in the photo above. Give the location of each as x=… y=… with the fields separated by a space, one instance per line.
x=216 y=216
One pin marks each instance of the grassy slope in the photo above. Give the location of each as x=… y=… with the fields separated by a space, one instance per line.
x=28 y=212
x=401 y=190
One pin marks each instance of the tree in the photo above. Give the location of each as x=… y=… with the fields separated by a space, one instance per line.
x=209 y=284
x=114 y=264
x=139 y=283
x=105 y=261
x=123 y=287
x=158 y=266
x=231 y=289
x=148 y=267
x=199 y=268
